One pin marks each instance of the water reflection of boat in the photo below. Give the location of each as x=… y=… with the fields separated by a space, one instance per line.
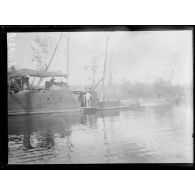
x=69 y=150
x=91 y=121
x=40 y=133
x=108 y=155
x=44 y=141
x=107 y=113
x=41 y=122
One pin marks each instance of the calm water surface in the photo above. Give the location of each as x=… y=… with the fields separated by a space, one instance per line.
x=156 y=134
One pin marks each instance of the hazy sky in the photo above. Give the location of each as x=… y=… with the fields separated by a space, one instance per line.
x=134 y=56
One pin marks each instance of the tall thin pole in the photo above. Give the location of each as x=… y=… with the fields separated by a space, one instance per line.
x=104 y=71
x=67 y=58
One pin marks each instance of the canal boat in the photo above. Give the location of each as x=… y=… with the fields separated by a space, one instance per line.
x=56 y=97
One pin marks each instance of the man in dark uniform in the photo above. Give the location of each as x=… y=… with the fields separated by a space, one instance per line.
x=81 y=100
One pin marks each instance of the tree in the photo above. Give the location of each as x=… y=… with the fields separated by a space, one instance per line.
x=41 y=51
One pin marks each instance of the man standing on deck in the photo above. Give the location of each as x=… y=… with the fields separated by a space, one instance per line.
x=81 y=100
x=88 y=100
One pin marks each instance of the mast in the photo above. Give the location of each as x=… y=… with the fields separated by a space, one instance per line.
x=67 y=54
x=104 y=71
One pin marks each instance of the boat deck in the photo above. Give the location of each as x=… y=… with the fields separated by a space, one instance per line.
x=82 y=109
x=94 y=109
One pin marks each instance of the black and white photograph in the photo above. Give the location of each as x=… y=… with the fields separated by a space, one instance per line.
x=100 y=96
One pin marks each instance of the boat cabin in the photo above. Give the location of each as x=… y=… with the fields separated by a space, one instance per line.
x=29 y=80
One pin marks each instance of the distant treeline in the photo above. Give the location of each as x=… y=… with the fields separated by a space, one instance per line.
x=140 y=90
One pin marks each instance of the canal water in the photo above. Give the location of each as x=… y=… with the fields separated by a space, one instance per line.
x=151 y=134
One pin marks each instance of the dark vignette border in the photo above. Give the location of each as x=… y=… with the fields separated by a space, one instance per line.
x=73 y=28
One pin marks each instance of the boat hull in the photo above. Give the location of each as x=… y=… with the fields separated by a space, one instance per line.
x=49 y=101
